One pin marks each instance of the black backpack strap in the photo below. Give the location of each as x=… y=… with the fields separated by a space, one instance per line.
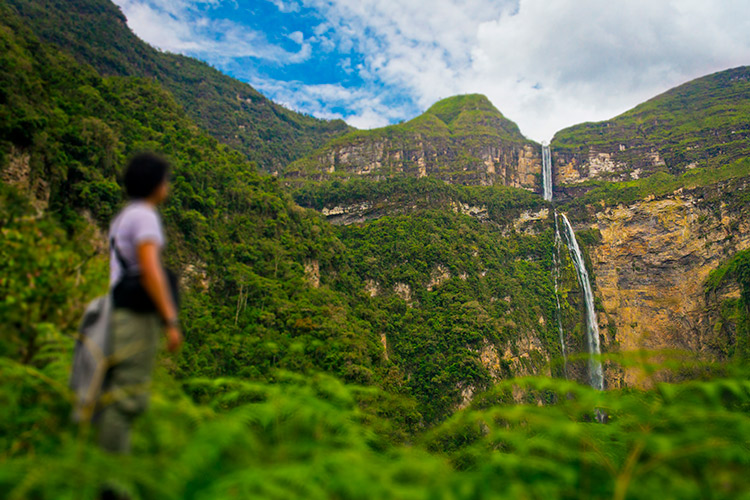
x=123 y=264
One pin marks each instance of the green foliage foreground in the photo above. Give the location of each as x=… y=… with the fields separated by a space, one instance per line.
x=306 y=437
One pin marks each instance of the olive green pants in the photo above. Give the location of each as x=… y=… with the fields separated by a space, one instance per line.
x=135 y=339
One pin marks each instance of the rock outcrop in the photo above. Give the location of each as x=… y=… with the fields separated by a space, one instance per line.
x=18 y=172
x=461 y=140
x=595 y=164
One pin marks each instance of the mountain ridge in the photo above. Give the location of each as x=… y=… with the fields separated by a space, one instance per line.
x=96 y=33
x=700 y=123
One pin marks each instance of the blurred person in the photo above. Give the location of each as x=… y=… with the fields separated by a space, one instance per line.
x=144 y=298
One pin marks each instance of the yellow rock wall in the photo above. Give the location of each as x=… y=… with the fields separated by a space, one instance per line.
x=651 y=266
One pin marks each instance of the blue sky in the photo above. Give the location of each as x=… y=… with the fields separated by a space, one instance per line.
x=546 y=64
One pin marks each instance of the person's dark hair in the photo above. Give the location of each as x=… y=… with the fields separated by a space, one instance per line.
x=144 y=173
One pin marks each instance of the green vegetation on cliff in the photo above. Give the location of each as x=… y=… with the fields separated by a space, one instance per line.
x=501 y=203
x=702 y=123
x=732 y=321
x=448 y=290
x=663 y=184
x=95 y=33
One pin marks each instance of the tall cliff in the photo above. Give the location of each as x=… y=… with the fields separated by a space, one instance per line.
x=702 y=123
x=652 y=258
x=460 y=140
x=661 y=192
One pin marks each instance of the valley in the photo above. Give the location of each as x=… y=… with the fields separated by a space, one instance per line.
x=440 y=308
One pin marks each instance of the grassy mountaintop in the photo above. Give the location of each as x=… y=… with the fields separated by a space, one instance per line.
x=462 y=139
x=457 y=116
x=462 y=115
x=95 y=32
x=466 y=114
x=704 y=123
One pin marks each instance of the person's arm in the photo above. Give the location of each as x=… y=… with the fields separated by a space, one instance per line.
x=155 y=282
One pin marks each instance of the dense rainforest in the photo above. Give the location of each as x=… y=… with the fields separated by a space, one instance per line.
x=347 y=336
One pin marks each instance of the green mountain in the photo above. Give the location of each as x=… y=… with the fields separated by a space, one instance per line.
x=461 y=140
x=700 y=124
x=366 y=346
x=232 y=112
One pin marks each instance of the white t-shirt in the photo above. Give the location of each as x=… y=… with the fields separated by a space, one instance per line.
x=136 y=223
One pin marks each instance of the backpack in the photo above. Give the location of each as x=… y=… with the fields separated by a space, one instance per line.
x=90 y=357
x=129 y=293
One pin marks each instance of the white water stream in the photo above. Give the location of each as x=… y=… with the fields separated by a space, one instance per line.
x=596 y=375
x=556 y=258
x=546 y=172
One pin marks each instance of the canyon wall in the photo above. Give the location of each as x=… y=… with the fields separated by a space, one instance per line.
x=652 y=262
x=452 y=160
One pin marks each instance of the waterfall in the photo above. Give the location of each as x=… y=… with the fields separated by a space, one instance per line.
x=596 y=376
x=546 y=172
x=556 y=259
x=547 y=190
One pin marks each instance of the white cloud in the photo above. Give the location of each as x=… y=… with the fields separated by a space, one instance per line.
x=178 y=26
x=592 y=60
x=284 y=6
x=365 y=109
x=546 y=64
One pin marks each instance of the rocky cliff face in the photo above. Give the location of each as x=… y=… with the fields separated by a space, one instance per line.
x=452 y=160
x=607 y=163
x=461 y=140
x=651 y=243
x=652 y=263
x=702 y=123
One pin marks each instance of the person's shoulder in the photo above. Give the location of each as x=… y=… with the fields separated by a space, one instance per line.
x=138 y=213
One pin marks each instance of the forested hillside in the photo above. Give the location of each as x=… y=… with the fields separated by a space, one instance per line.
x=237 y=237
x=95 y=33
x=374 y=358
